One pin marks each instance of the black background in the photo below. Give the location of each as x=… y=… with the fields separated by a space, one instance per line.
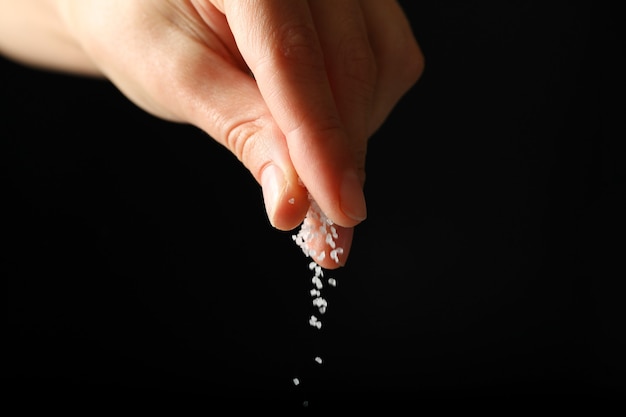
x=138 y=262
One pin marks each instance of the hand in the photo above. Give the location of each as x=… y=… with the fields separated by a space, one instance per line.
x=293 y=88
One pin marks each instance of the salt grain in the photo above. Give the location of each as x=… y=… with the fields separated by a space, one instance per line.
x=321 y=304
x=329 y=240
x=317 y=282
x=296 y=381
x=313 y=321
x=318 y=360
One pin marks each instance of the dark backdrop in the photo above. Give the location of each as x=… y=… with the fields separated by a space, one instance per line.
x=138 y=262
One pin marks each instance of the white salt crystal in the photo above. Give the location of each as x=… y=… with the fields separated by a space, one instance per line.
x=320 y=302
x=313 y=321
x=334 y=254
x=317 y=282
x=329 y=240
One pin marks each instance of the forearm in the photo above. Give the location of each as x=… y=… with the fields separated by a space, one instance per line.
x=33 y=32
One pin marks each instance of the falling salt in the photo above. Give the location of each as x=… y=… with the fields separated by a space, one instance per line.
x=321 y=304
x=317 y=282
x=334 y=254
x=313 y=321
x=317 y=225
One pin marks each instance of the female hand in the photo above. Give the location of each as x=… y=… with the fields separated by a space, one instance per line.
x=293 y=88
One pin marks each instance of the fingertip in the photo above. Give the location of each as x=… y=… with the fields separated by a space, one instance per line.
x=327 y=243
x=290 y=213
x=343 y=244
x=346 y=207
x=286 y=201
x=329 y=264
x=352 y=197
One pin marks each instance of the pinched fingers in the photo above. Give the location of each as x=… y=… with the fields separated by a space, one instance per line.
x=330 y=71
x=280 y=42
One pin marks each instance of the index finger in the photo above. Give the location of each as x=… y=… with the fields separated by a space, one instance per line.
x=280 y=44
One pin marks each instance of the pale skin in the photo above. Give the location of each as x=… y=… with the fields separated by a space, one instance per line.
x=294 y=88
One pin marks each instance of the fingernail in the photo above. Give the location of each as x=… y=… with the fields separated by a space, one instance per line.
x=272 y=182
x=352 y=198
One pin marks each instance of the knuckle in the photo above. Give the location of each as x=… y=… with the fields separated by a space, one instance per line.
x=298 y=44
x=239 y=137
x=410 y=60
